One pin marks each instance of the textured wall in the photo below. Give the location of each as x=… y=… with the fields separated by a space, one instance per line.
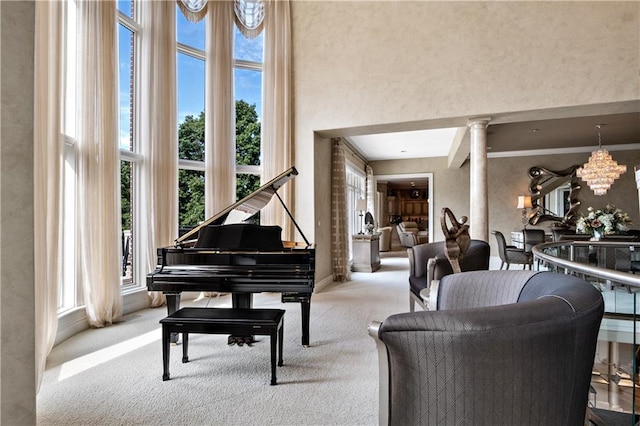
x=360 y=64
x=17 y=359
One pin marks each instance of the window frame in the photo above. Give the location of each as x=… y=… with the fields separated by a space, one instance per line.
x=354 y=192
x=133 y=156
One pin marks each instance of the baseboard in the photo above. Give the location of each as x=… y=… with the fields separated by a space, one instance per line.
x=135 y=301
x=323 y=283
x=71 y=323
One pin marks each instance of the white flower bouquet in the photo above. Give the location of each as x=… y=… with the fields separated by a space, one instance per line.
x=606 y=221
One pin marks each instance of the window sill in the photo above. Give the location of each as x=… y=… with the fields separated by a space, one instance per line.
x=75 y=321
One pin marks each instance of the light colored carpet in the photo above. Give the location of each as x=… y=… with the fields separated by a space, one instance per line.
x=113 y=376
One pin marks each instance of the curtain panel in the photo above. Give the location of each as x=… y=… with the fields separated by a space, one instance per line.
x=48 y=151
x=277 y=141
x=220 y=158
x=371 y=193
x=98 y=161
x=158 y=133
x=339 y=242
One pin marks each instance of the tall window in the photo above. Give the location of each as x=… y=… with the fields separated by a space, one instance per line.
x=191 y=115
x=130 y=159
x=69 y=295
x=191 y=88
x=356 y=190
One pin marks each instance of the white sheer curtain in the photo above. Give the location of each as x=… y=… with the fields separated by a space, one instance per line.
x=47 y=176
x=98 y=161
x=277 y=144
x=220 y=159
x=158 y=131
x=339 y=227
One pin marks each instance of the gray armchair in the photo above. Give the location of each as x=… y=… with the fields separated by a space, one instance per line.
x=502 y=348
x=428 y=262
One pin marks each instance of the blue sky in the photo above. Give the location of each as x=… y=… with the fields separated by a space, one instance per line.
x=191 y=71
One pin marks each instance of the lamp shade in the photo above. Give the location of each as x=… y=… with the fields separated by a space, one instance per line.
x=361 y=205
x=524 y=202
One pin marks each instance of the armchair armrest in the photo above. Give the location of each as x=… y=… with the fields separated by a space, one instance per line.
x=383 y=369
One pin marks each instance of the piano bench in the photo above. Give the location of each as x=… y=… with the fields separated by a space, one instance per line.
x=263 y=322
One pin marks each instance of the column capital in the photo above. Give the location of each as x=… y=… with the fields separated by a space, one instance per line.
x=478 y=122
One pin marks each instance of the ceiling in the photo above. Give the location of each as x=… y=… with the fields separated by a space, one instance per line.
x=533 y=137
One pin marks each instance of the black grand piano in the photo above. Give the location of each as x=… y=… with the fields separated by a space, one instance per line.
x=229 y=254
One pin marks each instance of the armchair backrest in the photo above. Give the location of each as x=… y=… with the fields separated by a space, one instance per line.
x=532 y=237
x=477 y=258
x=516 y=347
x=502 y=244
x=408 y=226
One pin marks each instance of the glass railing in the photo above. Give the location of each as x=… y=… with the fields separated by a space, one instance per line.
x=613 y=267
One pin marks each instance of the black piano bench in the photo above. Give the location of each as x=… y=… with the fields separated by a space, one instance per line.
x=263 y=322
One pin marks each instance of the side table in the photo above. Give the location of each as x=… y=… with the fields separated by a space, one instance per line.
x=366 y=252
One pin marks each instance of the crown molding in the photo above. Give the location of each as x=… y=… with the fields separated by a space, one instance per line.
x=554 y=151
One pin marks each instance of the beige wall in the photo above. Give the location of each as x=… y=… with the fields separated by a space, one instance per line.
x=17 y=333
x=359 y=65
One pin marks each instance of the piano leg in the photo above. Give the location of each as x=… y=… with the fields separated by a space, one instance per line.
x=305 y=308
x=241 y=301
x=173 y=304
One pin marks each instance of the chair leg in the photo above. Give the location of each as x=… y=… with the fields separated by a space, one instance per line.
x=412 y=303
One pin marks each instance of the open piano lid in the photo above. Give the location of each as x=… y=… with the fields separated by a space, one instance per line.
x=244 y=209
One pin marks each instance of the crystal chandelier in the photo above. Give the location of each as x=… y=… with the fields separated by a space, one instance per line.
x=601 y=170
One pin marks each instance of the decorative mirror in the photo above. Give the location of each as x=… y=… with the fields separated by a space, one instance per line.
x=563 y=187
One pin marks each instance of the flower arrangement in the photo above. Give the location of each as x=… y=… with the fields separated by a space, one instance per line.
x=606 y=221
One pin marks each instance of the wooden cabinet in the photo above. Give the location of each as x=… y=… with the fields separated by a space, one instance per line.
x=408 y=209
x=414 y=208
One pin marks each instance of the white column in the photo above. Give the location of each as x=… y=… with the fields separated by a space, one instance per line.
x=478 y=192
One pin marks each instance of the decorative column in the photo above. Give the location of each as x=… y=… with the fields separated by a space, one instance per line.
x=478 y=192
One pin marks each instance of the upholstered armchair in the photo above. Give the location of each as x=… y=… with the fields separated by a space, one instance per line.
x=410 y=235
x=502 y=348
x=385 y=238
x=428 y=262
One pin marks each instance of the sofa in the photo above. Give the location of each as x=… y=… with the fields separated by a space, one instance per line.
x=428 y=262
x=410 y=234
x=500 y=348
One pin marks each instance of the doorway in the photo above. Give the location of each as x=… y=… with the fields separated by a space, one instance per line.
x=406 y=197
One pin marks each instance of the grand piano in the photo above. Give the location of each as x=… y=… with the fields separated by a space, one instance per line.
x=229 y=254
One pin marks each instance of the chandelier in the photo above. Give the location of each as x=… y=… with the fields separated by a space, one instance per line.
x=601 y=170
